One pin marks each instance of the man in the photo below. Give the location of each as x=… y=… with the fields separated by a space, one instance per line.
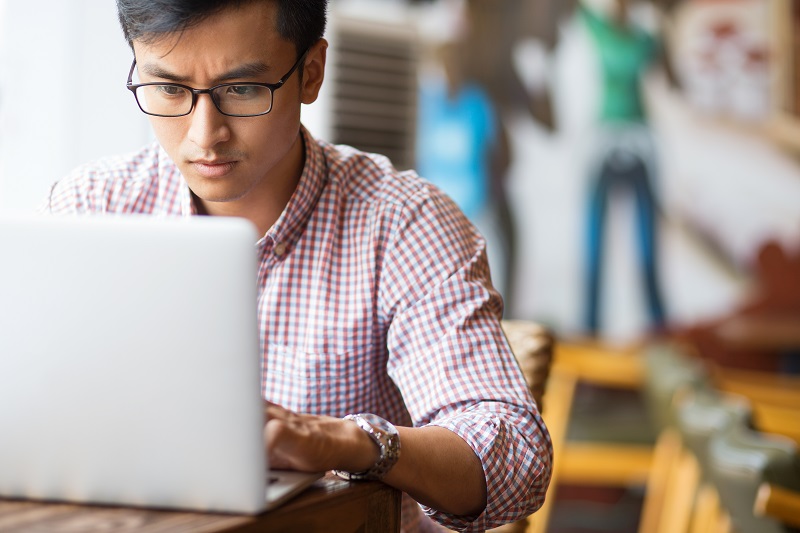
x=374 y=291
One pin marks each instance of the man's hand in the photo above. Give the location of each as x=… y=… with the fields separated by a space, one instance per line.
x=311 y=443
x=436 y=467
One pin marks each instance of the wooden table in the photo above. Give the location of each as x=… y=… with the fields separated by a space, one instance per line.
x=331 y=504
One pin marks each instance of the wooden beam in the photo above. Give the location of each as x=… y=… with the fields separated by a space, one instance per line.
x=601 y=365
x=613 y=465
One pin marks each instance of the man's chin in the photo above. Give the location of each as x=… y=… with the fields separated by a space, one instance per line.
x=214 y=193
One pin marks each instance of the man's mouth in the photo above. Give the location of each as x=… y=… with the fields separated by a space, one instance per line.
x=212 y=168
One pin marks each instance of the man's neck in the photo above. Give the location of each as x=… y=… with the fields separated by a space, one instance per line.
x=263 y=205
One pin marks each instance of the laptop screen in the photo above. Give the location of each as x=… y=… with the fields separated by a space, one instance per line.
x=129 y=362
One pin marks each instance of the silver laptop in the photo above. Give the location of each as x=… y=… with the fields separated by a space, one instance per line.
x=130 y=364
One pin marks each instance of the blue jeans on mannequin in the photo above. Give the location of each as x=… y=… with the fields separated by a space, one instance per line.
x=623 y=167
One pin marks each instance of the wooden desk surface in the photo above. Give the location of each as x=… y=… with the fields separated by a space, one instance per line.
x=331 y=504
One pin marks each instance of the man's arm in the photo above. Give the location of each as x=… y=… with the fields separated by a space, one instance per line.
x=436 y=467
x=450 y=361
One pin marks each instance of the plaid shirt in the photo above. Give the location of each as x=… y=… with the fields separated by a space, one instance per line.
x=374 y=296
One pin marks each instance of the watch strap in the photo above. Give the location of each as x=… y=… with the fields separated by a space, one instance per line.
x=385 y=436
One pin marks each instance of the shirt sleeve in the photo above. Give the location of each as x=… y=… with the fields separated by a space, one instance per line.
x=79 y=192
x=121 y=184
x=451 y=361
x=63 y=198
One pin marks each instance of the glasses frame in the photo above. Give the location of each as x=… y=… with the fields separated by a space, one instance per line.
x=210 y=91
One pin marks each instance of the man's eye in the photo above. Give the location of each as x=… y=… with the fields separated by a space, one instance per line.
x=170 y=90
x=243 y=91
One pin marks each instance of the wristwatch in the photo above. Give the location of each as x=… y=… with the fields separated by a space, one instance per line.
x=385 y=435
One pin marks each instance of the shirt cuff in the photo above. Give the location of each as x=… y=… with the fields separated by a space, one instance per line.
x=515 y=451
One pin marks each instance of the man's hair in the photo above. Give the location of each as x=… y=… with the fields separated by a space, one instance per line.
x=300 y=21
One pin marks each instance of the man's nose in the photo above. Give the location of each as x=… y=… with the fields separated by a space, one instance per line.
x=208 y=126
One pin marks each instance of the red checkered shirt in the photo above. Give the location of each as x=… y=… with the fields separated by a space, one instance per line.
x=374 y=296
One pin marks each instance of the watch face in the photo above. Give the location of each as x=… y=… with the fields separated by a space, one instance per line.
x=379 y=423
x=385 y=436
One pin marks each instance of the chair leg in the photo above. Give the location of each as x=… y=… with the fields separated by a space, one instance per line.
x=665 y=459
x=707 y=511
x=560 y=392
x=680 y=497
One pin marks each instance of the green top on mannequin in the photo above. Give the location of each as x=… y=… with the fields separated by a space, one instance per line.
x=625 y=53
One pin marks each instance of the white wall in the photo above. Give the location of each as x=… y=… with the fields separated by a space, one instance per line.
x=72 y=106
x=730 y=181
x=63 y=101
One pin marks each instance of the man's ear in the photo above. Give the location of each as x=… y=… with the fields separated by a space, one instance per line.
x=314 y=71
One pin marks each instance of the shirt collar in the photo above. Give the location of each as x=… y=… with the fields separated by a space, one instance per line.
x=294 y=218
x=292 y=221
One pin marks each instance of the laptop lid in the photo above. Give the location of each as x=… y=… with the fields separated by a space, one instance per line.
x=129 y=362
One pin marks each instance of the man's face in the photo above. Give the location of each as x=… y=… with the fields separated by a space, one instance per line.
x=231 y=159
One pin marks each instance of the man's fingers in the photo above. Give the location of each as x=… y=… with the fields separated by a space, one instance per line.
x=275 y=411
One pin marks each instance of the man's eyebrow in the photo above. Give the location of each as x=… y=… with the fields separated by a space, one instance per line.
x=245 y=71
x=160 y=72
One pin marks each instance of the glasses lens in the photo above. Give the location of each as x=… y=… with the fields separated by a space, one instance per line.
x=167 y=100
x=241 y=99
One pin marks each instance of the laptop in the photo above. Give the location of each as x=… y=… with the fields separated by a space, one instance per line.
x=130 y=364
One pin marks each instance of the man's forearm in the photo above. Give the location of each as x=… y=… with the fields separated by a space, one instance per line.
x=436 y=467
x=439 y=469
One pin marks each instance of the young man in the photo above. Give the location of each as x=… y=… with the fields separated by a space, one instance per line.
x=374 y=291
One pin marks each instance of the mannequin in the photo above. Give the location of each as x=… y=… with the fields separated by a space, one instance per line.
x=624 y=153
x=461 y=148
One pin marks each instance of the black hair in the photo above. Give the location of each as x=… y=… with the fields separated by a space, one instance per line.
x=300 y=21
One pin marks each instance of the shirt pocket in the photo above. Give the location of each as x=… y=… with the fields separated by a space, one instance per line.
x=331 y=383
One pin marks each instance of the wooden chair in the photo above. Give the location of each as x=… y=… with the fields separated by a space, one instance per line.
x=533 y=346
x=742 y=427
x=561 y=366
x=679 y=495
x=775 y=398
x=691 y=501
x=569 y=364
x=775 y=403
x=560 y=393
x=657 y=371
x=740 y=460
x=779 y=503
x=708 y=515
x=678 y=499
x=583 y=463
x=661 y=481
x=600 y=463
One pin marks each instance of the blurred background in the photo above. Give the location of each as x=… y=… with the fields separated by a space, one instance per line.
x=634 y=165
x=723 y=171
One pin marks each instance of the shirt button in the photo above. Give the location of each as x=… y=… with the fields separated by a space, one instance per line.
x=280 y=249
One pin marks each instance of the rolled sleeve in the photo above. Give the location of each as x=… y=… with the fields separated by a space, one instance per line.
x=453 y=365
x=514 y=449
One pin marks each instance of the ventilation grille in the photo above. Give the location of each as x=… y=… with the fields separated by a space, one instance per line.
x=374 y=89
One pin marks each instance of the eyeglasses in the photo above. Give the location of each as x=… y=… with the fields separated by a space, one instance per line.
x=231 y=99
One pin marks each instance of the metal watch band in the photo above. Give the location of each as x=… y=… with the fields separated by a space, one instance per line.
x=385 y=435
